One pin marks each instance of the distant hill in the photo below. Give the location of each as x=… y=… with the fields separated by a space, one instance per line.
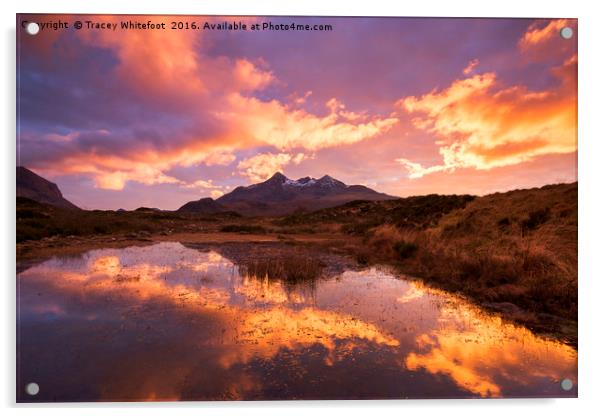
x=147 y=209
x=33 y=186
x=280 y=195
x=202 y=206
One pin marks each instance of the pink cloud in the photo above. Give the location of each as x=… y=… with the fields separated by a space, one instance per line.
x=172 y=69
x=482 y=124
x=263 y=165
x=542 y=39
x=471 y=66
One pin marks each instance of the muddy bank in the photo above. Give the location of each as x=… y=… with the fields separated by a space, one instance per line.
x=34 y=251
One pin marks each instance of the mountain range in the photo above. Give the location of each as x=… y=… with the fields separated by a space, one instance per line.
x=280 y=195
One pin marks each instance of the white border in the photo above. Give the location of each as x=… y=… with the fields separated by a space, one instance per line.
x=590 y=201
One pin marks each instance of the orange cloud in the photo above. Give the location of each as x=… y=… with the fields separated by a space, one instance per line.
x=251 y=77
x=542 y=39
x=153 y=62
x=109 y=174
x=173 y=70
x=485 y=349
x=470 y=67
x=260 y=167
x=536 y=34
x=278 y=125
x=214 y=190
x=483 y=124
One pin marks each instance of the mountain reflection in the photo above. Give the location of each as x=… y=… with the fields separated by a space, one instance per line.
x=168 y=322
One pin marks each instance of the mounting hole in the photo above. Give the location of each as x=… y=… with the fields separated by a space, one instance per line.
x=32 y=28
x=32 y=389
x=566 y=384
x=566 y=32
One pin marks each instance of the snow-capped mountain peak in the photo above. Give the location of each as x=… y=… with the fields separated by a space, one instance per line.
x=325 y=181
x=303 y=182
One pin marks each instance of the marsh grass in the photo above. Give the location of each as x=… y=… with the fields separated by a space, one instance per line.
x=293 y=269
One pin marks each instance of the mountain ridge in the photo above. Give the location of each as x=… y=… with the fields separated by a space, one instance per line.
x=280 y=195
x=33 y=186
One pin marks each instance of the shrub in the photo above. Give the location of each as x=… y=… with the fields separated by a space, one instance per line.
x=101 y=229
x=404 y=249
x=503 y=222
x=536 y=219
x=363 y=255
x=359 y=228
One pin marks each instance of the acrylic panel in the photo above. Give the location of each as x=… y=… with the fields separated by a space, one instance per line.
x=291 y=208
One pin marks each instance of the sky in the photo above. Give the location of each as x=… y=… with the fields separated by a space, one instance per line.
x=406 y=106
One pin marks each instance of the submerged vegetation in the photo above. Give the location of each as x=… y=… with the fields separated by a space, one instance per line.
x=290 y=269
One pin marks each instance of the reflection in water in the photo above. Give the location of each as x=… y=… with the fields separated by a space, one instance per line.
x=167 y=322
x=476 y=350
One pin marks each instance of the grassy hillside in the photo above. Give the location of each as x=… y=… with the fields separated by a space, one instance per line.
x=518 y=247
x=522 y=245
x=358 y=217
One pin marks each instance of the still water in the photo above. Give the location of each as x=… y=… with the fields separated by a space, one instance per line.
x=169 y=322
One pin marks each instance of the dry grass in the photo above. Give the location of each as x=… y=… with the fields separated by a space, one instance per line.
x=518 y=247
x=37 y=221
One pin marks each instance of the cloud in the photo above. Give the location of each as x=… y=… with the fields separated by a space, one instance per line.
x=276 y=124
x=216 y=193
x=537 y=34
x=112 y=160
x=471 y=66
x=218 y=157
x=201 y=184
x=214 y=190
x=116 y=180
x=481 y=123
x=169 y=99
x=250 y=77
x=262 y=166
x=124 y=109
x=416 y=170
x=542 y=40
x=300 y=157
x=300 y=100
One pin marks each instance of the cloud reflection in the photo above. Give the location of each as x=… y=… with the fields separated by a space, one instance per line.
x=185 y=324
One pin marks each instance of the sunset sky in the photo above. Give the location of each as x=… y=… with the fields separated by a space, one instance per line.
x=406 y=106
